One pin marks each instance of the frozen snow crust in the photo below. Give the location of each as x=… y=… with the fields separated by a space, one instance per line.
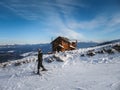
x=95 y=68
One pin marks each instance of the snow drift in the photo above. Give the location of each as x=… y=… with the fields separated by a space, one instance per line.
x=96 y=68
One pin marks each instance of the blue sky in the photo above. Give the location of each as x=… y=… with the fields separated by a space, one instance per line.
x=37 y=21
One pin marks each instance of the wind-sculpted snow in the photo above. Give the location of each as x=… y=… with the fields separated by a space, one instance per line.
x=101 y=54
x=95 y=68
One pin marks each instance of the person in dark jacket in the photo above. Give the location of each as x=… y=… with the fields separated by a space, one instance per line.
x=40 y=60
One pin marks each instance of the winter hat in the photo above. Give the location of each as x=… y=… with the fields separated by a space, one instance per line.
x=39 y=50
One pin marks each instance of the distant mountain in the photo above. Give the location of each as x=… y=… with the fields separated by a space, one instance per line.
x=109 y=42
x=86 y=44
x=13 y=52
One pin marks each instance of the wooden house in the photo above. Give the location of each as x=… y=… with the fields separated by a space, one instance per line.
x=63 y=44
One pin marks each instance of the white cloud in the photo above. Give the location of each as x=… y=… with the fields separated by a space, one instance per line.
x=37 y=10
x=115 y=20
x=31 y=10
x=57 y=27
x=87 y=25
x=48 y=12
x=68 y=6
x=100 y=23
x=72 y=34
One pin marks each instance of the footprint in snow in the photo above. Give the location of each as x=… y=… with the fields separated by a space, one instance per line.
x=79 y=88
x=116 y=86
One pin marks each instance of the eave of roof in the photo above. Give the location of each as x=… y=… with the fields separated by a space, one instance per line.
x=63 y=38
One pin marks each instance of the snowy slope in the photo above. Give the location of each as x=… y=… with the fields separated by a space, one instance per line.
x=79 y=70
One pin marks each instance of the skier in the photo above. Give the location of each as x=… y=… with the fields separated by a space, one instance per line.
x=40 y=60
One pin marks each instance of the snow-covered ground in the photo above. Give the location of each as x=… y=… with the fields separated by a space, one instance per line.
x=77 y=72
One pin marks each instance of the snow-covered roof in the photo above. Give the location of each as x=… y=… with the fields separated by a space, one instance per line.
x=63 y=38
